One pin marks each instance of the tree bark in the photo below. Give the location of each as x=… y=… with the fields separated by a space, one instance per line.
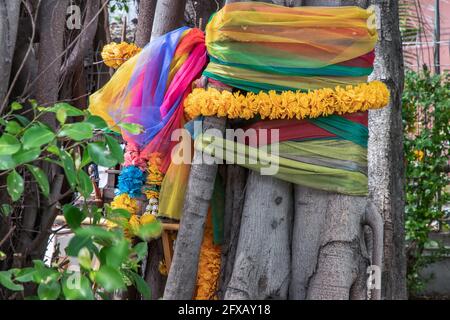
x=153 y=277
x=86 y=39
x=52 y=20
x=328 y=244
x=198 y=12
x=145 y=22
x=385 y=156
x=168 y=16
x=262 y=265
x=9 y=21
x=234 y=202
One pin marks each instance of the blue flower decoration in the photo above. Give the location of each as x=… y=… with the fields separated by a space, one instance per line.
x=131 y=180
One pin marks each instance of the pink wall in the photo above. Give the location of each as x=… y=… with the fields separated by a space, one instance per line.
x=424 y=47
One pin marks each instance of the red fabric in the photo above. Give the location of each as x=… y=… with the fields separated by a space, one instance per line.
x=294 y=129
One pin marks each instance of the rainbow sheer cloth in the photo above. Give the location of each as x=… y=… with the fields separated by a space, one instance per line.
x=150 y=87
x=258 y=46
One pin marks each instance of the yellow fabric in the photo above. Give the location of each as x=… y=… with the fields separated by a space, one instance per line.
x=319 y=36
x=173 y=187
x=294 y=82
x=102 y=107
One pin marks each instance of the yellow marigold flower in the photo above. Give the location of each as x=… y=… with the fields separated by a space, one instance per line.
x=163 y=268
x=123 y=201
x=288 y=104
x=134 y=223
x=147 y=218
x=419 y=154
x=208 y=266
x=115 y=54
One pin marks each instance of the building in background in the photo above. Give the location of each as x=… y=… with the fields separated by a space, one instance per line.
x=418 y=26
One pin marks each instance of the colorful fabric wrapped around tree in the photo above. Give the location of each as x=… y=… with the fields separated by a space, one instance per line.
x=257 y=46
x=304 y=69
x=302 y=76
x=149 y=90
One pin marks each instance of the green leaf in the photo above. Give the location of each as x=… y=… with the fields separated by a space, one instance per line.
x=15 y=185
x=49 y=291
x=141 y=285
x=37 y=136
x=84 y=258
x=41 y=179
x=43 y=274
x=84 y=184
x=109 y=278
x=140 y=250
x=73 y=216
x=70 y=110
x=6 y=281
x=97 y=122
x=115 y=148
x=24 y=156
x=6 y=209
x=61 y=116
x=77 y=131
x=85 y=159
x=53 y=149
x=8 y=144
x=23 y=120
x=119 y=213
x=101 y=155
x=149 y=231
x=132 y=128
x=78 y=242
x=25 y=275
x=96 y=232
x=16 y=106
x=116 y=254
x=7 y=162
x=69 y=168
x=77 y=287
x=13 y=127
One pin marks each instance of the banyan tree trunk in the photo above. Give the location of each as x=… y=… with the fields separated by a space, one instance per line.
x=262 y=263
x=323 y=257
x=386 y=157
x=168 y=16
x=294 y=242
x=9 y=22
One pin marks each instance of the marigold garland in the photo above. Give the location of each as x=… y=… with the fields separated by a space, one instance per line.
x=153 y=183
x=124 y=201
x=208 y=266
x=131 y=183
x=287 y=104
x=115 y=54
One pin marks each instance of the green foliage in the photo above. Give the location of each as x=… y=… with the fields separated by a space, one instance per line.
x=426 y=115
x=108 y=259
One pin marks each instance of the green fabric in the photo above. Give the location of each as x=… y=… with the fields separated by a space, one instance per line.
x=339 y=154
x=247 y=85
x=331 y=70
x=217 y=209
x=350 y=182
x=343 y=128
